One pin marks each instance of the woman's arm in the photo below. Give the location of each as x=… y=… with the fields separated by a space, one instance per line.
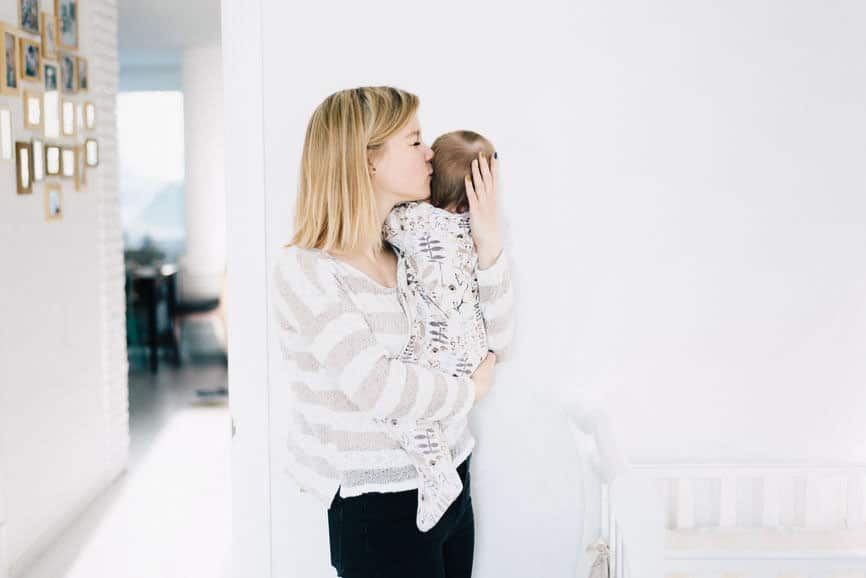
x=315 y=313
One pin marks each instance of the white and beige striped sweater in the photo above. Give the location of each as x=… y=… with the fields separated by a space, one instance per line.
x=341 y=333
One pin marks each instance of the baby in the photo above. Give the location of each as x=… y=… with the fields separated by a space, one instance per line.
x=438 y=288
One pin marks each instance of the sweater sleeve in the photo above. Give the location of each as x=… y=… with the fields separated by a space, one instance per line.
x=496 y=296
x=317 y=313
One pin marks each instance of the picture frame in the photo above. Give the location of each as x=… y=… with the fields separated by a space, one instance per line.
x=67 y=162
x=89 y=115
x=49 y=35
x=81 y=74
x=49 y=75
x=38 y=149
x=66 y=12
x=67 y=117
x=28 y=15
x=53 y=201
x=51 y=114
x=8 y=61
x=68 y=73
x=24 y=167
x=32 y=110
x=80 y=169
x=91 y=150
x=6 y=148
x=52 y=160
x=31 y=60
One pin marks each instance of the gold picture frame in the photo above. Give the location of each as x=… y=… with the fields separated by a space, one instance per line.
x=49 y=35
x=68 y=73
x=28 y=15
x=24 y=167
x=9 y=83
x=91 y=151
x=67 y=117
x=52 y=160
x=32 y=110
x=89 y=115
x=81 y=74
x=66 y=12
x=30 y=54
x=53 y=201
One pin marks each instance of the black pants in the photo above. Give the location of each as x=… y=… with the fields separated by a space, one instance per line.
x=374 y=536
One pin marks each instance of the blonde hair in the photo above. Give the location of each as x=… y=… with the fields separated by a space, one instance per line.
x=336 y=207
x=453 y=153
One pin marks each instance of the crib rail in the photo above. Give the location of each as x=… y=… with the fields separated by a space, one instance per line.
x=755 y=520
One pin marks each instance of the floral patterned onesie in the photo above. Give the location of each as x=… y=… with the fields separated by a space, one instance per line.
x=438 y=289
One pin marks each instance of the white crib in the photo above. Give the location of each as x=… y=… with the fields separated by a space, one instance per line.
x=729 y=520
x=767 y=520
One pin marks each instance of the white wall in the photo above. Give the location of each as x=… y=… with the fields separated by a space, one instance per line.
x=63 y=395
x=685 y=190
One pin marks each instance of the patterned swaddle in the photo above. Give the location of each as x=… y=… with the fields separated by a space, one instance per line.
x=438 y=288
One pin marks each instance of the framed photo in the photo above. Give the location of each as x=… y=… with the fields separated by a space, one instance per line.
x=91 y=150
x=50 y=76
x=82 y=73
x=67 y=162
x=49 y=35
x=38 y=149
x=5 y=133
x=53 y=201
x=24 y=167
x=80 y=169
x=9 y=61
x=32 y=110
x=31 y=60
x=68 y=73
x=67 y=117
x=89 y=115
x=52 y=160
x=28 y=15
x=51 y=114
x=66 y=12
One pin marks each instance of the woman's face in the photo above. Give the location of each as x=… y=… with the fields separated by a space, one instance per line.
x=403 y=168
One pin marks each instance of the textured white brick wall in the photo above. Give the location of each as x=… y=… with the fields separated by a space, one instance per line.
x=63 y=371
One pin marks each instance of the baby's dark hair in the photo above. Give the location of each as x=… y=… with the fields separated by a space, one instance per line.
x=453 y=153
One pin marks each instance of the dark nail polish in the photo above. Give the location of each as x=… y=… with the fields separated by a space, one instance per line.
x=495 y=155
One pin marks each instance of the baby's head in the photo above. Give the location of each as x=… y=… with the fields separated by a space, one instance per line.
x=453 y=153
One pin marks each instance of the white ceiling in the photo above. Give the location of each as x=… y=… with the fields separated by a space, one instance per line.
x=147 y=25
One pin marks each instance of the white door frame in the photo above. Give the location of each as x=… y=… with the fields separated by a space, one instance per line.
x=247 y=258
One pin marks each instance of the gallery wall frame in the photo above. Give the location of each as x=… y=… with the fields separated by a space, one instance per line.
x=28 y=15
x=32 y=107
x=49 y=35
x=66 y=12
x=52 y=160
x=53 y=201
x=9 y=83
x=30 y=65
x=24 y=167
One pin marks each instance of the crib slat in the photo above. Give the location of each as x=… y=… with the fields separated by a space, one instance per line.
x=728 y=501
x=771 y=503
x=685 y=495
x=855 y=515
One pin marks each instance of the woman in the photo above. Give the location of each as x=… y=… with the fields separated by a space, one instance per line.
x=342 y=328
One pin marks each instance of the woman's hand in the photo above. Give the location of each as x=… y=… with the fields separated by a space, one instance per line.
x=483 y=376
x=483 y=217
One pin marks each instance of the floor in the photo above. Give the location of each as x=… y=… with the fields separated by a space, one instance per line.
x=168 y=516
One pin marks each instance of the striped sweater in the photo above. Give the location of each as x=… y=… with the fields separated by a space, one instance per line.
x=341 y=333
